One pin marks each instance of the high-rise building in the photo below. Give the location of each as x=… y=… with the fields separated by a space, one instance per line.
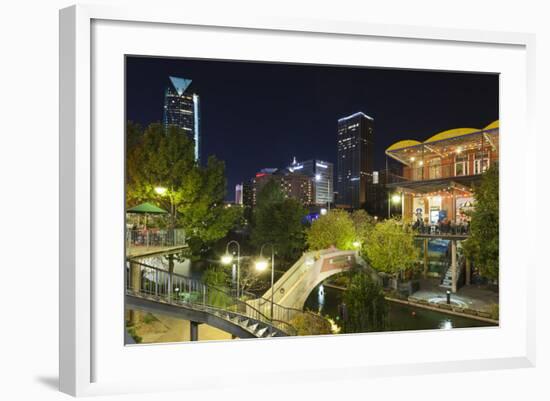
x=293 y=185
x=377 y=194
x=181 y=108
x=239 y=194
x=355 y=159
x=321 y=173
x=248 y=195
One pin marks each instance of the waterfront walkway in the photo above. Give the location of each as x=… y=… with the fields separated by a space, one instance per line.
x=475 y=297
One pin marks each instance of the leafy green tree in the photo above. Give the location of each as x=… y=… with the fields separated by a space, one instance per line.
x=165 y=158
x=308 y=324
x=218 y=281
x=483 y=244
x=391 y=248
x=270 y=193
x=335 y=228
x=363 y=224
x=279 y=221
x=365 y=305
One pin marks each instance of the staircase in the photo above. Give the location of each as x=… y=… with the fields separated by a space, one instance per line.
x=256 y=328
x=447 y=280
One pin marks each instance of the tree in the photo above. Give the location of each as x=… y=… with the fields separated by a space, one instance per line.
x=161 y=157
x=483 y=245
x=335 y=228
x=363 y=224
x=365 y=305
x=391 y=248
x=279 y=221
x=308 y=324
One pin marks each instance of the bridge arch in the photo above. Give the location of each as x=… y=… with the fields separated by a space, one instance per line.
x=294 y=287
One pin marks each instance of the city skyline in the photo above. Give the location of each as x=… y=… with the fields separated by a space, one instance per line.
x=301 y=104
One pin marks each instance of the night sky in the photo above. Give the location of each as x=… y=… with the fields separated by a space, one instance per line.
x=256 y=115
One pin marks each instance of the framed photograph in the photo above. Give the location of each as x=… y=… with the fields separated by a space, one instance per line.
x=338 y=199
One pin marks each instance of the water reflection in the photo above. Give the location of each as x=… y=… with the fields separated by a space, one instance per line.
x=400 y=317
x=321 y=297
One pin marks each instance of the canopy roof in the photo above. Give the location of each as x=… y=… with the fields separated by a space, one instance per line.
x=148 y=208
x=458 y=139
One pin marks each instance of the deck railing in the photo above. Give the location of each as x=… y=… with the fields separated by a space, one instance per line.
x=149 y=238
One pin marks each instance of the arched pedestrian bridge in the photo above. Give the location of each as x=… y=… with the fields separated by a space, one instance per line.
x=294 y=287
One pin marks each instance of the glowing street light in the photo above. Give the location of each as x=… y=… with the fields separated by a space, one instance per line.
x=356 y=244
x=227 y=259
x=261 y=265
x=160 y=190
x=396 y=198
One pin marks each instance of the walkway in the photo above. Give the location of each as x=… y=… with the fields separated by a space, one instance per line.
x=293 y=288
x=155 y=290
x=473 y=297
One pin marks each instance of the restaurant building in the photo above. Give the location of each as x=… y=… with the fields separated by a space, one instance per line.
x=438 y=176
x=434 y=185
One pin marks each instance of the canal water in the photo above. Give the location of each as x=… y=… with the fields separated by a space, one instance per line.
x=325 y=300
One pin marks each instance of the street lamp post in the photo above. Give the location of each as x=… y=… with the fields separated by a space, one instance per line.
x=163 y=191
x=228 y=258
x=261 y=264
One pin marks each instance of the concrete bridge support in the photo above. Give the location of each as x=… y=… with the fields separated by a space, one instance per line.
x=194 y=335
x=135 y=285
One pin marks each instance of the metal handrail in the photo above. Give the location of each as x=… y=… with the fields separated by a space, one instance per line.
x=155 y=237
x=180 y=289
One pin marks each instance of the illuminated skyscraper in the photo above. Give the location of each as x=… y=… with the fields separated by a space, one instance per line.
x=181 y=108
x=355 y=159
x=321 y=173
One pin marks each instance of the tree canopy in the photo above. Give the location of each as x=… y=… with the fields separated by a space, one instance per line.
x=159 y=157
x=279 y=221
x=336 y=228
x=483 y=244
x=365 y=305
x=390 y=247
x=363 y=224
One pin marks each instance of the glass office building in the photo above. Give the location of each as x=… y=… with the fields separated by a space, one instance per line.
x=321 y=174
x=181 y=108
x=355 y=159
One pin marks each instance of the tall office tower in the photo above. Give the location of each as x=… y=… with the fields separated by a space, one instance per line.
x=321 y=173
x=181 y=108
x=248 y=195
x=239 y=194
x=355 y=159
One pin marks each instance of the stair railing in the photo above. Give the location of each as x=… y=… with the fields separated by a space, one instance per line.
x=151 y=282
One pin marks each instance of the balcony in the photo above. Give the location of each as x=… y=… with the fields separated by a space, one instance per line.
x=153 y=241
x=449 y=230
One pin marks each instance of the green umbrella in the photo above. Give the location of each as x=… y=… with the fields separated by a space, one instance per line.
x=146 y=209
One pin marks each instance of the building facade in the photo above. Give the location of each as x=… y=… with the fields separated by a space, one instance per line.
x=322 y=176
x=438 y=176
x=181 y=109
x=435 y=191
x=293 y=185
x=355 y=159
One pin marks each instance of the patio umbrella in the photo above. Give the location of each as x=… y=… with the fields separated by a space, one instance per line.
x=146 y=209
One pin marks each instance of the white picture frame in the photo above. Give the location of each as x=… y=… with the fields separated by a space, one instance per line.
x=91 y=362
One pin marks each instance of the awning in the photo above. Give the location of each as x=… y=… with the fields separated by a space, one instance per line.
x=146 y=208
